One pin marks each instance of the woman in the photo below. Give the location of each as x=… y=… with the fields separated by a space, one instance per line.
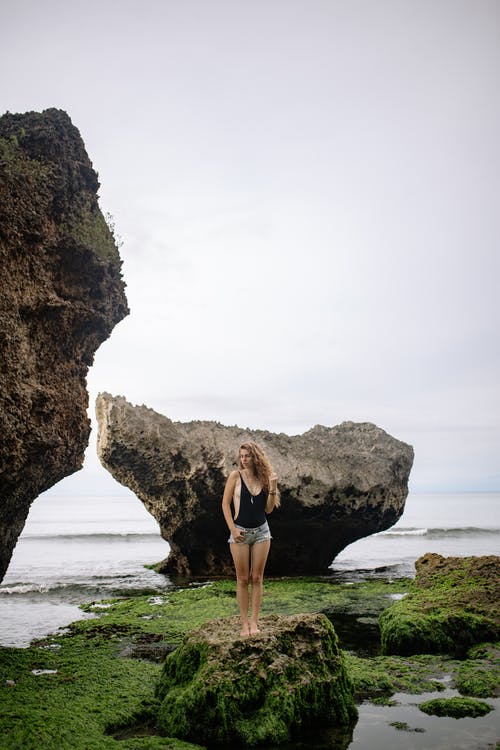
x=253 y=491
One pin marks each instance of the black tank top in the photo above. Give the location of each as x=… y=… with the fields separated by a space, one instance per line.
x=252 y=508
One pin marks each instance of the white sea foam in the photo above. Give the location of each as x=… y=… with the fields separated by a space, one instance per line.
x=405 y=532
x=440 y=532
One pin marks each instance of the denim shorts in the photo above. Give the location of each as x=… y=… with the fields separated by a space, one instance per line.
x=253 y=536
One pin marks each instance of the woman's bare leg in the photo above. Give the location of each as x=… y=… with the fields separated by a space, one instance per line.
x=259 y=553
x=241 y=559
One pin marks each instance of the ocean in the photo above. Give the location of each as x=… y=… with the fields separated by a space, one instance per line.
x=77 y=549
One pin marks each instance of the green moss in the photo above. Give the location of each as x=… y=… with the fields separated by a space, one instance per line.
x=89 y=228
x=224 y=689
x=407 y=629
x=84 y=223
x=479 y=675
x=381 y=676
x=91 y=691
x=16 y=163
x=97 y=689
x=104 y=683
x=179 y=611
x=170 y=615
x=155 y=743
x=456 y=708
x=384 y=675
x=446 y=611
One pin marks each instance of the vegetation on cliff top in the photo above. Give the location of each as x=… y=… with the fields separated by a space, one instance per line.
x=16 y=163
x=58 y=186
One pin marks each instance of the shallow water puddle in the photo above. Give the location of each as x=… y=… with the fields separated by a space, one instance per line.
x=404 y=725
x=356 y=633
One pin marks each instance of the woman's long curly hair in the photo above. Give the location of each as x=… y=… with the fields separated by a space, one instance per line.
x=260 y=463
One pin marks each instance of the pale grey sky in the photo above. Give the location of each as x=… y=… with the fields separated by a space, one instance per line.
x=308 y=194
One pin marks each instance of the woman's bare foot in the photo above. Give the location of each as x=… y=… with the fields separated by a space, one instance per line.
x=254 y=628
x=245 y=631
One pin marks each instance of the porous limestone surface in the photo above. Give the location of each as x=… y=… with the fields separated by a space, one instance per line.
x=337 y=484
x=61 y=295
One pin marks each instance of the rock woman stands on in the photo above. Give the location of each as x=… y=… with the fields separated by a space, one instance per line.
x=253 y=491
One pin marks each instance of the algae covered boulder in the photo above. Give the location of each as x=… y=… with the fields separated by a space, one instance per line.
x=456 y=707
x=220 y=688
x=454 y=604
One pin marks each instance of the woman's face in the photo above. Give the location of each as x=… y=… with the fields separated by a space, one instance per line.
x=245 y=459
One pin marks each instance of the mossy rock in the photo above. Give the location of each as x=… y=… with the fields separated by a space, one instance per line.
x=436 y=632
x=453 y=605
x=221 y=688
x=479 y=675
x=457 y=708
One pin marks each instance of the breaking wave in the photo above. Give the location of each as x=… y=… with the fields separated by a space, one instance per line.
x=439 y=533
x=88 y=536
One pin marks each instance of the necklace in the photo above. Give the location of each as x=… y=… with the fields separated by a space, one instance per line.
x=251 y=491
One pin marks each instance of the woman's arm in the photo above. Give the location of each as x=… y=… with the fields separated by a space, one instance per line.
x=273 y=496
x=226 y=501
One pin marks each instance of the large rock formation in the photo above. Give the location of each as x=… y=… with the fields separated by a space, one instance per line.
x=61 y=295
x=337 y=485
x=220 y=688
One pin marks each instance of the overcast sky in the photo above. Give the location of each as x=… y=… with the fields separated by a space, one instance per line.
x=308 y=194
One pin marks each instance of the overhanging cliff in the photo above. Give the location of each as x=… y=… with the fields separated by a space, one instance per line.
x=61 y=294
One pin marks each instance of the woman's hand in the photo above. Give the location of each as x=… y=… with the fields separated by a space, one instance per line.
x=273 y=495
x=238 y=535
